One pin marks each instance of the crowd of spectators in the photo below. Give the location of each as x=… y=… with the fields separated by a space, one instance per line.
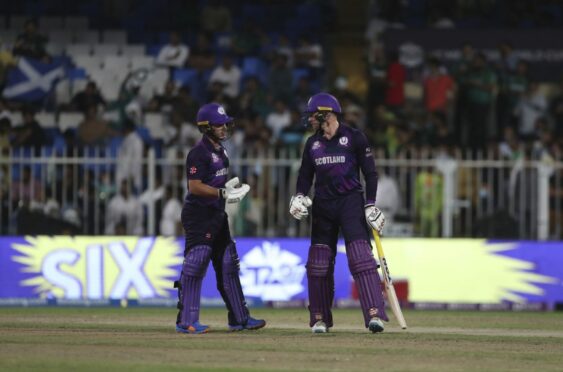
x=474 y=104
x=265 y=100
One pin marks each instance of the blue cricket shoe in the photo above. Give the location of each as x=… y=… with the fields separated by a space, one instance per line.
x=251 y=324
x=195 y=328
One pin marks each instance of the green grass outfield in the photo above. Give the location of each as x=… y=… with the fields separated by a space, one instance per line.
x=143 y=339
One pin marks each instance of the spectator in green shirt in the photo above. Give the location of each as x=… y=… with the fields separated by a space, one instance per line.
x=481 y=92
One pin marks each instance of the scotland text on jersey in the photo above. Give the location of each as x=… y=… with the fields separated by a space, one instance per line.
x=330 y=160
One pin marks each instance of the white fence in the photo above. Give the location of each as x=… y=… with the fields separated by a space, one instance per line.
x=423 y=193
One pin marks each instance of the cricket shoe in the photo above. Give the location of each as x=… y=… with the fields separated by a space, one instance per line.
x=376 y=325
x=319 y=327
x=251 y=324
x=195 y=328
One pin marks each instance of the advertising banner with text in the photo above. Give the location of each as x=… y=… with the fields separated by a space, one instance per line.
x=541 y=48
x=437 y=270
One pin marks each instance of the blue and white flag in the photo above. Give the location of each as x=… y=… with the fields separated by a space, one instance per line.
x=32 y=80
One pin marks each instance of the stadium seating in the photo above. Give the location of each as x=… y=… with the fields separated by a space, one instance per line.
x=69 y=120
x=103 y=50
x=76 y=23
x=47 y=23
x=46 y=119
x=132 y=50
x=141 y=61
x=87 y=62
x=86 y=37
x=8 y=37
x=17 y=22
x=254 y=66
x=185 y=77
x=78 y=49
x=120 y=65
x=154 y=83
x=60 y=36
x=118 y=37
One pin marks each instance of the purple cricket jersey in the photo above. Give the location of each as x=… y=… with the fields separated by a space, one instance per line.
x=209 y=165
x=335 y=164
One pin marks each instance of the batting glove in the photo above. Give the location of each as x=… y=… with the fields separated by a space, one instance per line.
x=298 y=206
x=374 y=217
x=234 y=191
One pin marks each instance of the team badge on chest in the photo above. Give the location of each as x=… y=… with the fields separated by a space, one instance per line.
x=214 y=158
x=343 y=141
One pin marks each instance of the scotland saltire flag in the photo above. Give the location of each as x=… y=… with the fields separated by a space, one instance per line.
x=32 y=80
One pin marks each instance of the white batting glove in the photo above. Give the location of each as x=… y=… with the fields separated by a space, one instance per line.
x=234 y=191
x=375 y=217
x=298 y=206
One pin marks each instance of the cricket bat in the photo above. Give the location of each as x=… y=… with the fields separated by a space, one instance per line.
x=388 y=282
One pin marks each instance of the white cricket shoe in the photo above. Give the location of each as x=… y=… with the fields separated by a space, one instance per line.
x=319 y=327
x=376 y=325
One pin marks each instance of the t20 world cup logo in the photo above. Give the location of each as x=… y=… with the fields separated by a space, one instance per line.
x=272 y=273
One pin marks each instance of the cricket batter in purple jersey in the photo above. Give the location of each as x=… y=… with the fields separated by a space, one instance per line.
x=206 y=227
x=333 y=157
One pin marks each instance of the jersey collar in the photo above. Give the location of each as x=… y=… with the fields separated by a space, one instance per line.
x=339 y=131
x=210 y=146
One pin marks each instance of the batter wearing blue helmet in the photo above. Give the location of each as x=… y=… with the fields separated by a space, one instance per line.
x=206 y=227
x=333 y=156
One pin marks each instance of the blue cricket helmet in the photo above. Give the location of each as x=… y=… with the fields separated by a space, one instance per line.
x=212 y=114
x=323 y=102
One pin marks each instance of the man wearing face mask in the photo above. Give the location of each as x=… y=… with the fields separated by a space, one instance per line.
x=206 y=227
x=333 y=156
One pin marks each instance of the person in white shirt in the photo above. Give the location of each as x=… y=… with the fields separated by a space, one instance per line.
x=279 y=119
x=170 y=222
x=126 y=209
x=130 y=157
x=156 y=194
x=227 y=74
x=173 y=54
x=388 y=197
x=181 y=133
x=531 y=106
